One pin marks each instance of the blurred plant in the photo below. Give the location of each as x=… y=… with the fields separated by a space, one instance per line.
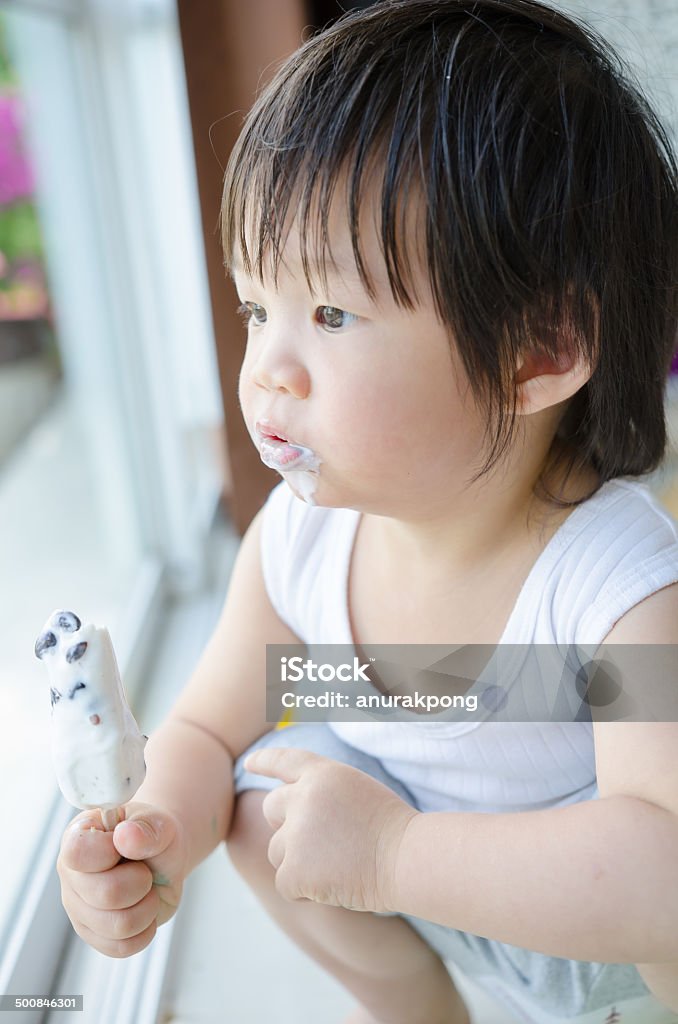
x=16 y=178
x=23 y=294
x=7 y=76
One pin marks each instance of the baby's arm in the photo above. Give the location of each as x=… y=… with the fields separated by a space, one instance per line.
x=591 y=881
x=220 y=712
x=187 y=795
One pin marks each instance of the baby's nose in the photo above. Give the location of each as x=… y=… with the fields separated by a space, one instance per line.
x=282 y=372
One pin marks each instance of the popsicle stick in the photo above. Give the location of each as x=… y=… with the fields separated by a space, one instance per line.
x=111 y=817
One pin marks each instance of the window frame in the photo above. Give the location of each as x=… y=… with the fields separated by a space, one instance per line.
x=38 y=937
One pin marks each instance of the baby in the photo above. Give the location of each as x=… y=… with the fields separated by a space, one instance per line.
x=453 y=228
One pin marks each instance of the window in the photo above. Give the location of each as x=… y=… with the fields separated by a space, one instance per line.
x=110 y=415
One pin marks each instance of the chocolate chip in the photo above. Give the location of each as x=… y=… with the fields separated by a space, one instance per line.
x=76 y=652
x=43 y=643
x=94 y=719
x=68 y=621
x=78 y=686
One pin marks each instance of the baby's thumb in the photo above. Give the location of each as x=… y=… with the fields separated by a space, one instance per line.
x=143 y=835
x=158 y=839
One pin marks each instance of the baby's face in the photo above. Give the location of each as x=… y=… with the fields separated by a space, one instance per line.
x=369 y=401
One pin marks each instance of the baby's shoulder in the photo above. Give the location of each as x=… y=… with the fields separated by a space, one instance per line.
x=624 y=520
x=614 y=551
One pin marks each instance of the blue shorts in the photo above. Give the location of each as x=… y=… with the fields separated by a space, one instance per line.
x=538 y=989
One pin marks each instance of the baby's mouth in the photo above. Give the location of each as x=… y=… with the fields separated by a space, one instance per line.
x=279 y=453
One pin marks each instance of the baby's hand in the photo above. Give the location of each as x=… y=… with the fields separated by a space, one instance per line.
x=116 y=904
x=337 y=830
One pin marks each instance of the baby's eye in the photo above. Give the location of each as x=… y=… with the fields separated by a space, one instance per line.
x=333 y=318
x=252 y=311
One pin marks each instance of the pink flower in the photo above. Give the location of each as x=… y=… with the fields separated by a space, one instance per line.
x=16 y=177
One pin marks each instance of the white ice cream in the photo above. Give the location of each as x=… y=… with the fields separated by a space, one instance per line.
x=97 y=748
x=298 y=465
x=304 y=482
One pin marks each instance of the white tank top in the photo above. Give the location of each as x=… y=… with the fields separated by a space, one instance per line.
x=610 y=553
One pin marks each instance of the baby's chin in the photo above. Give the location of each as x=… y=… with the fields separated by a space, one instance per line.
x=315 y=491
x=304 y=484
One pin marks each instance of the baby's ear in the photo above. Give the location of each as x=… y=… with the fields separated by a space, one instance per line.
x=543 y=381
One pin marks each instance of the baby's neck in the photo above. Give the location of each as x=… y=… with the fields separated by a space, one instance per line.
x=451 y=579
x=485 y=525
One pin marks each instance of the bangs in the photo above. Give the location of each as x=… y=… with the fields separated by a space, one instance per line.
x=321 y=150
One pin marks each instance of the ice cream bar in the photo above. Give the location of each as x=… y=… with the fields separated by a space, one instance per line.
x=97 y=748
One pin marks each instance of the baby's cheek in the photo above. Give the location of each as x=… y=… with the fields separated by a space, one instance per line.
x=245 y=389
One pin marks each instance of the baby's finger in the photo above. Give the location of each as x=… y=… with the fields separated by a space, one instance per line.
x=286 y=763
x=143 y=836
x=121 y=887
x=274 y=806
x=117 y=947
x=86 y=847
x=276 y=849
x=113 y=925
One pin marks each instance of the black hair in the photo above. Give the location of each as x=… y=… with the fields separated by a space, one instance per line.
x=549 y=191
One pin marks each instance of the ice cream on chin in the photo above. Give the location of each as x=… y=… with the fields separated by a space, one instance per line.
x=297 y=464
x=97 y=747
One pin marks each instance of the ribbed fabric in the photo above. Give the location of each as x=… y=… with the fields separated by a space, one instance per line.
x=609 y=554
